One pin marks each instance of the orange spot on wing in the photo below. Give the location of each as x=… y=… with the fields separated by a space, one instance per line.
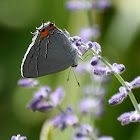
x=44 y=33
x=52 y=27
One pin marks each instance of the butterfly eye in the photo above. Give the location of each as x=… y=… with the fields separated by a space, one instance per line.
x=43 y=30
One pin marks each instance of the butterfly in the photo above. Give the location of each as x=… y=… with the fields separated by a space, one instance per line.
x=51 y=51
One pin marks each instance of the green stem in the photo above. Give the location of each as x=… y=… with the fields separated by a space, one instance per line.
x=121 y=80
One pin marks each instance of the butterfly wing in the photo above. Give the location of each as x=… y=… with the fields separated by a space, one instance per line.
x=50 y=55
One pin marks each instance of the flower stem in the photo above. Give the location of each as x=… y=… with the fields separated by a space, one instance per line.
x=121 y=80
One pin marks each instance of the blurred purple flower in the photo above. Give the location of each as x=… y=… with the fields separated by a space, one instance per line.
x=27 y=82
x=83 y=68
x=43 y=92
x=33 y=104
x=44 y=100
x=89 y=33
x=64 y=119
x=105 y=138
x=94 y=90
x=57 y=96
x=18 y=137
x=103 y=5
x=78 y=5
x=86 y=129
x=87 y=5
x=88 y=105
x=44 y=106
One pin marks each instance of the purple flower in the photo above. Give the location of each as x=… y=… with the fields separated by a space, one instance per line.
x=118 y=68
x=89 y=33
x=87 y=5
x=101 y=71
x=82 y=131
x=88 y=105
x=83 y=68
x=33 y=104
x=82 y=49
x=128 y=117
x=103 y=4
x=18 y=137
x=44 y=100
x=77 y=5
x=96 y=47
x=64 y=119
x=75 y=38
x=86 y=129
x=57 y=96
x=43 y=92
x=44 y=106
x=27 y=82
x=117 y=99
x=94 y=90
x=95 y=60
x=135 y=83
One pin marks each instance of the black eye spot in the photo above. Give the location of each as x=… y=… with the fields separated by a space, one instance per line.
x=51 y=24
x=43 y=30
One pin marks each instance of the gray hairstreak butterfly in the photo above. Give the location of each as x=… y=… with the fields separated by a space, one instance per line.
x=50 y=51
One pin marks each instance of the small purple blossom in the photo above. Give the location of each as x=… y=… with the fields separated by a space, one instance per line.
x=64 y=119
x=33 y=104
x=44 y=100
x=83 y=68
x=88 y=105
x=87 y=5
x=128 y=117
x=83 y=132
x=44 y=106
x=18 y=137
x=95 y=60
x=86 y=129
x=103 y=4
x=135 y=83
x=87 y=33
x=96 y=47
x=117 y=99
x=118 y=68
x=82 y=49
x=78 y=5
x=27 y=82
x=57 y=96
x=43 y=92
x=75 y=38
x=102 y=71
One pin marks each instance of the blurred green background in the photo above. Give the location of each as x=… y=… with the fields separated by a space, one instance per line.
x=120 y=41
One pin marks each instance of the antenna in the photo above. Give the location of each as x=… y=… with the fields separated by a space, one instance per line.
x=76 y=78
x=43 y=22
x=69 y=74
